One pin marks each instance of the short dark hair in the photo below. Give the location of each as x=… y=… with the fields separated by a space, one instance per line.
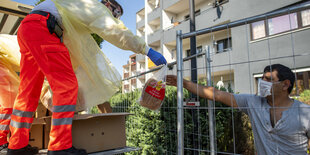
x=115 y=3
x=284 y=73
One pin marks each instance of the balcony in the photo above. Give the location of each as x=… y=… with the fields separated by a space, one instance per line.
x=133 y=67
x=156 y=13
x=170 y=34
x=126 y=75
x=155 y=26
x=142 y=78
x=140 y=71
x=126 y=87
x=140 y=15
x=126 y=67
x=125 y=82
x=133 y=81
x=174 y=17
x=132 y=59
x=178 y=6
x=140 y=24
x=154 y=38
x=140 y=58
x=141 y=32
x=169 y=3
x=126 y=70
x=153 y=5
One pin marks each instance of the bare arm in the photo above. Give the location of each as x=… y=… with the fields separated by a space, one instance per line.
x=205 y=92
x=309 y=145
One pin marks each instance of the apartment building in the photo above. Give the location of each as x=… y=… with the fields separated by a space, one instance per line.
x=239 y=54
x=135 y=66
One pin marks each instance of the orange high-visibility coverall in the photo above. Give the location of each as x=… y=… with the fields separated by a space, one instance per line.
x=7 y=96
x=43 y=55
x=9 y=81
x=5 y=115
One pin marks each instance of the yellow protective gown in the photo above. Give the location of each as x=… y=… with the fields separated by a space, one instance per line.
x=9 y=65
x=97 y=77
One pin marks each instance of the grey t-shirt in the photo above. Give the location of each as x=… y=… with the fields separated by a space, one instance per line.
x=290 y=134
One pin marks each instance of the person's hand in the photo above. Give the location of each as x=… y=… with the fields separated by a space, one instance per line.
x=171 y=80
x=156 y=57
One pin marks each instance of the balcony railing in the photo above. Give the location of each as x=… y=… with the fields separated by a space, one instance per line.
x=140 y=71
x=142 y=77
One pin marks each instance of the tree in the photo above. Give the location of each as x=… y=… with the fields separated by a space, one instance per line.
x=39 y=1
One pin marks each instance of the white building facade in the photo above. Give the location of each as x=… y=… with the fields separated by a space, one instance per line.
x=239 y=54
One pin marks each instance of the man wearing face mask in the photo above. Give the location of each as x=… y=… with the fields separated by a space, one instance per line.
x=55 y=41
x=281 y=125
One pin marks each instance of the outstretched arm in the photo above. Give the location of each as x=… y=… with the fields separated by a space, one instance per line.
x=97 y=18
x=205 y=92
x=308 y=145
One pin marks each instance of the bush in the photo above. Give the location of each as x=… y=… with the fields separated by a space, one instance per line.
x=156 y=132
x=305 y=96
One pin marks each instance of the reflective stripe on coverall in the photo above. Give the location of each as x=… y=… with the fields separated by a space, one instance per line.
x=42 y=54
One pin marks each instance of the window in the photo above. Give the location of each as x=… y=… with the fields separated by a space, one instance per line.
x=282 y=23
x=172 y=54
x=223 y=45
x=305 y=16
x=258 y=30
x=188 y=53
x=220 y=2
x=186 y=17
x=198 y=50
x=197 y=13
x=302 y=82
x=133 y=60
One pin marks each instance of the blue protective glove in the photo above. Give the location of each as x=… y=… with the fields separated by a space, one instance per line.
x=156 y=57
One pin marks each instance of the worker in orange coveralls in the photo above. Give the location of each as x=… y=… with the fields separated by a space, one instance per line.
x=9 y=81
x=44 y=53
x=7 y=95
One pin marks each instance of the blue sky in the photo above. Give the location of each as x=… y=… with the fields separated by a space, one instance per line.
x=117 y=56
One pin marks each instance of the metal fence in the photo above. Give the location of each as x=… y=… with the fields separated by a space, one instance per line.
x=209 y=127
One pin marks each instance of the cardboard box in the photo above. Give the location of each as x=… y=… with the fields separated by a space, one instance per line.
x=95 y=132
x=36 y=133
x=105 y=107
x=99 y=132
x=47 y=129
x=41 y=111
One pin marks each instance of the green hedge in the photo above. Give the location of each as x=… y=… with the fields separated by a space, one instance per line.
x=305 y=96
x=155 y=132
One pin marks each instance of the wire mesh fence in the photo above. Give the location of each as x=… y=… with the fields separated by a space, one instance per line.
x=234 y=65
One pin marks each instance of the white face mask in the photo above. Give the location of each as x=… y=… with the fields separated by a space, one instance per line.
x=264 y=88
